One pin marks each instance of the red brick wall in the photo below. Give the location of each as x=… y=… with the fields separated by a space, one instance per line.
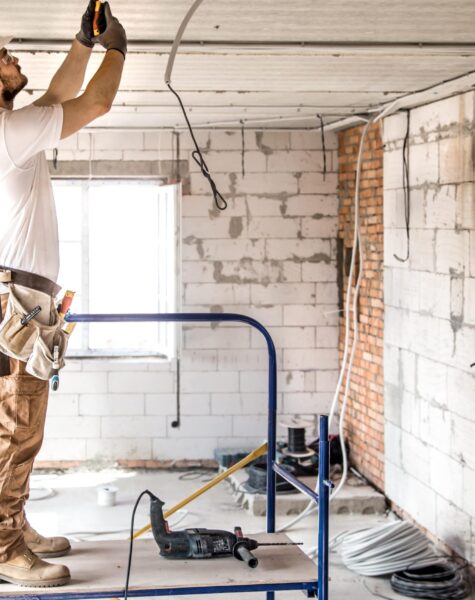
x=364 y=416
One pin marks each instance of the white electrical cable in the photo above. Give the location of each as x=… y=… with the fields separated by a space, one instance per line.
x=357 y=248
x=41 y=493
x=80 y=536
x=384 y=550
x=177 y=42
x=346 y=367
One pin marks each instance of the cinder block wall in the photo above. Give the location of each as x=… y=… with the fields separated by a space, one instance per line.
x=430 y=321
x=271 y=255
x=364 y=420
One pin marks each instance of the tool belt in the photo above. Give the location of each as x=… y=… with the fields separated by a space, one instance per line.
x=29 y=280
x=27 y=338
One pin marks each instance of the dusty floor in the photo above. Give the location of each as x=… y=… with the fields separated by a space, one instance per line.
x=72 y=509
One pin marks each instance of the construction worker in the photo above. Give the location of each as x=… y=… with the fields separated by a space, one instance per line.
x=29 y=260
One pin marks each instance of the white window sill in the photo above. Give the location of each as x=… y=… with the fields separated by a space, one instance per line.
x=107 y=358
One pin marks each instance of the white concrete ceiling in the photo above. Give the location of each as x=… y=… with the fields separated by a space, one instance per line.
x=268 y=62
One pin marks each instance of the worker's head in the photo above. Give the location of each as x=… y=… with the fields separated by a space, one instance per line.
x=12 y=80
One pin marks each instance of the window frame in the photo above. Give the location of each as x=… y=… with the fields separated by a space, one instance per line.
x=169 y=335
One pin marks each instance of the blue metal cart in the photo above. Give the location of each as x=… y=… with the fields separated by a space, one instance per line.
x=313 y=587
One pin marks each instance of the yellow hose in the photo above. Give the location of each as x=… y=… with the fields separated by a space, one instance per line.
x=224 y=475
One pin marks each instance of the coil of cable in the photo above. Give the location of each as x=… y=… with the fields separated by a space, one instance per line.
x=384 y=550
x=439 y=580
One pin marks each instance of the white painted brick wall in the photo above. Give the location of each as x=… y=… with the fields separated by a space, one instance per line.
x=430 y=322
x=271 y=256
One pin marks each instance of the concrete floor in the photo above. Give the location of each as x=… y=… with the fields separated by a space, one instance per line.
x=73 y=509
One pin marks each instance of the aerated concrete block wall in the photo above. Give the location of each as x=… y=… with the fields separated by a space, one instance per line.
x=271 y=255
x=430 y=321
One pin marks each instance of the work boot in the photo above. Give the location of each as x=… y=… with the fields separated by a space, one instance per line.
x=45 y=547
x=25 y=569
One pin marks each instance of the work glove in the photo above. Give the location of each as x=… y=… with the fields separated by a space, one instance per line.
x=85 y=34
x=114 y=36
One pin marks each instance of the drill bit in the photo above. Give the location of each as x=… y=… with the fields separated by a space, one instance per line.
x=280 y=544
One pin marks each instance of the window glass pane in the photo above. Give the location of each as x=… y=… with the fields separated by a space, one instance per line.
x=68 y=197
x=117 y=250
x=123 y=272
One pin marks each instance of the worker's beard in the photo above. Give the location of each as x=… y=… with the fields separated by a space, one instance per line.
x=12 y=86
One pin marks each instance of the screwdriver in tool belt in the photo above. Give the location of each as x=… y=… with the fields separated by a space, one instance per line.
x=97 y=14
x=31 y=315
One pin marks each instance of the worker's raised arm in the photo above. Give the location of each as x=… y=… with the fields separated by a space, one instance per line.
x=69 y=78
x=102 y=89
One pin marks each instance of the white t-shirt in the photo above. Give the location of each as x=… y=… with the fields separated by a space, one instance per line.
x=28 y=223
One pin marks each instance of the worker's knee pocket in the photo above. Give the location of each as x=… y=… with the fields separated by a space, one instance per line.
x=22 y=401
x=17 y=484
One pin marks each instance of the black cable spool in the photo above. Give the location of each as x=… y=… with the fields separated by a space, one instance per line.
x=437 y=581
x=296 y=446
x=257 y=481
x=296 y=441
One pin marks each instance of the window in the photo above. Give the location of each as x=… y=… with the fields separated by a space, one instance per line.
x=119 y=253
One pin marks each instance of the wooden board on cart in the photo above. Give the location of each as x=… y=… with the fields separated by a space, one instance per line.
x=101 y=567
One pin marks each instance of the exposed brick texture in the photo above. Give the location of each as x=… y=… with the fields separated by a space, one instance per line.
x=365 y=411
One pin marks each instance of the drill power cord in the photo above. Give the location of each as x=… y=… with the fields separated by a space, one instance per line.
x=197 y=156
x=131 y=542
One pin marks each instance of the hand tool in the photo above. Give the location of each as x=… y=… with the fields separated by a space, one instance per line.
x=55 y=373
x=239 y=465
x=30 y=315
x=203 y=543
x=95 y=24
x=66 y=303
x=69 y=327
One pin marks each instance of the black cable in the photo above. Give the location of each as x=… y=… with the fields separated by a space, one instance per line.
x=322 y=130
x=243 y=148
x=131 y=544
x=442 y=580
x=204 y=475
x=407 y=189
x=376 y=594
x=177 y=422
x=176 y=135
x=220 y=202
x=243 y=489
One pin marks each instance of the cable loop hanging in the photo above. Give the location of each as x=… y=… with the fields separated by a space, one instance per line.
x=243 y=149
x=197 y=156
x=199 y=159
x=324 y=150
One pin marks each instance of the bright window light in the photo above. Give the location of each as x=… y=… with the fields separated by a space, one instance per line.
x=119 y=253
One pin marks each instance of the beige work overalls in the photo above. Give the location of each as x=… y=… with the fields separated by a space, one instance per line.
x=23 y=403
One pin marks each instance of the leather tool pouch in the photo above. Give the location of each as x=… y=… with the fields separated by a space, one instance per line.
x=33 y=342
